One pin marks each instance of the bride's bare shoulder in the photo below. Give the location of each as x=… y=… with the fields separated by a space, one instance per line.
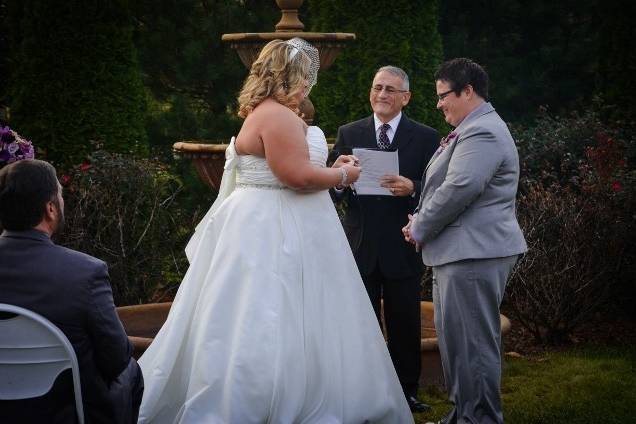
x=270 y=110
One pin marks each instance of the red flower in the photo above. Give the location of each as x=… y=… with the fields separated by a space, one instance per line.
x=616 y=186
x=65 y=179
x=85 y=166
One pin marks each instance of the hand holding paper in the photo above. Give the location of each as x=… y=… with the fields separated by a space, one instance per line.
x=377 y=164
x=397 y=184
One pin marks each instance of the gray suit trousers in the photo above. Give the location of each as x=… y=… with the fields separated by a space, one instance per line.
x=467 y=295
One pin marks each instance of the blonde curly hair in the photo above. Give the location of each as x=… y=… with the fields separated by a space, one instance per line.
x=277 y=74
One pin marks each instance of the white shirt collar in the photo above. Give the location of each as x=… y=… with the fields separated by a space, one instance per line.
x=393 y=123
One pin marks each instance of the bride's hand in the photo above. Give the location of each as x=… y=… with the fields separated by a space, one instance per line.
x=345 y=160
x=353 y=172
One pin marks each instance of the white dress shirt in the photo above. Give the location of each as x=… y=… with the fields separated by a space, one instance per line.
x=391 y=131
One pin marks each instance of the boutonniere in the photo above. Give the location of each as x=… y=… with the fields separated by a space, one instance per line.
x=446 y=141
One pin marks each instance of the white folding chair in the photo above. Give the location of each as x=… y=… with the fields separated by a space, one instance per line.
x=33 y=352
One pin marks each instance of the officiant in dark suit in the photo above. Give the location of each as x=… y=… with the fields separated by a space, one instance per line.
x=390 y=267
x=70 y=289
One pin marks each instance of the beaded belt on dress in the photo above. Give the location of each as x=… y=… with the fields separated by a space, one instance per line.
x=260 y=186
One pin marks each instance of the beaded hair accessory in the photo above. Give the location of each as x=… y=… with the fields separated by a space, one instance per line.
x=311 y=52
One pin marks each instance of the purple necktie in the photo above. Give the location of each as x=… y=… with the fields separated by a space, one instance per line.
x=383 y=140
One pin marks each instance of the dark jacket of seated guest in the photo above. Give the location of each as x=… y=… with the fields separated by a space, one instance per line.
x=72 y=290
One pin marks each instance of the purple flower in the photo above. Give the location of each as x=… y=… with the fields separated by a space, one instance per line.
x=6 y=135
x=13 y=147
x=26 y=150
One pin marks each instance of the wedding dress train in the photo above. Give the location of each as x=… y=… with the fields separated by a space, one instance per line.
x=272 y=323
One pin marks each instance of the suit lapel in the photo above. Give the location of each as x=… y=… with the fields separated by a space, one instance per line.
x=433 y=159
x=481 y=110
x=436 y=161
x=403 y=133
x=368 y=138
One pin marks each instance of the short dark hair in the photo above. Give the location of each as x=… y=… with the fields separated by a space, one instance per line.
x=26 y=186
x=460 y=72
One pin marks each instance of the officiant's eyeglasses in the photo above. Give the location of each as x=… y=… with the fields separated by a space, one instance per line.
x=389 y=90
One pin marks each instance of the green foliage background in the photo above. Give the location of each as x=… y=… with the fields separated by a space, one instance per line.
x=617 y=59
x=193 y=76
x=545 y=53
x=404 y=34
x=76 y=78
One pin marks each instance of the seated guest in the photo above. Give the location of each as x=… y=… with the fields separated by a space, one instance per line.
x=72 y=290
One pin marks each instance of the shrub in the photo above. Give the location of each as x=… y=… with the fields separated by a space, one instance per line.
x=123 y=210
x=553 y=148
x=563 y=278
x=576 y=207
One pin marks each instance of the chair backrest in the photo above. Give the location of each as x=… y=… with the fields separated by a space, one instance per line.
x=33 y=352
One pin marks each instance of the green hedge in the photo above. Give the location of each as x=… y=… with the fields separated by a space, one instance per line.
x=403 y=34
x=76 y=78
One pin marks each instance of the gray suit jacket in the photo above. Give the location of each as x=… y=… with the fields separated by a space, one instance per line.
x=467 y=205
x=72 y=290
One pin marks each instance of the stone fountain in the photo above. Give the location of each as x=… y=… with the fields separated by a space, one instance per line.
x=208 y=159
x=143 y=321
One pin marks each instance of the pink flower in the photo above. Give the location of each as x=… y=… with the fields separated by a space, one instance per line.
x=65 y=179
x=85 y=166
x=616 y=186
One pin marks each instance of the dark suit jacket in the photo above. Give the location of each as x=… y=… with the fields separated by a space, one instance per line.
x=374 y=223
x=72 y=290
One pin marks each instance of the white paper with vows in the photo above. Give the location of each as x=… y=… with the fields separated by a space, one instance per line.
x=375 y=164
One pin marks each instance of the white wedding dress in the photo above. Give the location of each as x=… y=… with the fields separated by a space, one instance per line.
x=272 y=323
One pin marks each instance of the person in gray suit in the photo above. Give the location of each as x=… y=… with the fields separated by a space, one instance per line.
x=467 y=229
x=70 y=289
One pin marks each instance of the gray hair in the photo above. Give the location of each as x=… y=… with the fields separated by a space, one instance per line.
x=398 y=72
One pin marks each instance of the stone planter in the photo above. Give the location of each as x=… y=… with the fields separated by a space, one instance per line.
x=432 y=374
x=142 y=322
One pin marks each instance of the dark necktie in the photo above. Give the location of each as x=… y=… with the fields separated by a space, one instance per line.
x=383 y=140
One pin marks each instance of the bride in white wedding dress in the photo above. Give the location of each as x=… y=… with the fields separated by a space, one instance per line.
x=272 y=323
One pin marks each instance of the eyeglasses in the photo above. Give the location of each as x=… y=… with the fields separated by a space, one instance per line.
x=389 y=90
x=442 y=96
